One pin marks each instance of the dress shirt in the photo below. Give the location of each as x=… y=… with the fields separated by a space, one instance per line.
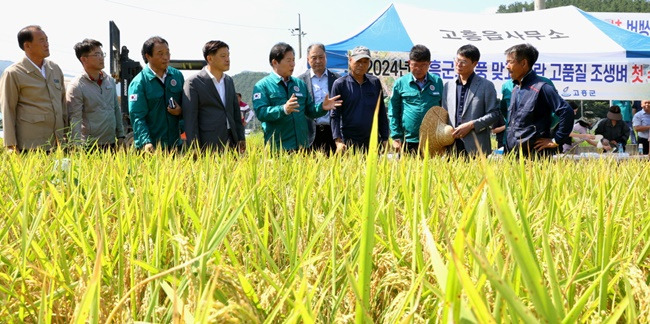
x=641 y=118
x=42 y=68
x=319 y=86
x=461 y=94
x=221 y=89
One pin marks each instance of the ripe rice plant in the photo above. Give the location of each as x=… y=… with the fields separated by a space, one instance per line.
x=271 y=237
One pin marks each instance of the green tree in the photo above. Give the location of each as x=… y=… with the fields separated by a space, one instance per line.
x=244 y=83
x=586 y=5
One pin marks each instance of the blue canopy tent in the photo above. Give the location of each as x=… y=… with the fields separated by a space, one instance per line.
x=586 y=58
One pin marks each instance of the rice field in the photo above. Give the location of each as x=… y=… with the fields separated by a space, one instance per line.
x=271 y=237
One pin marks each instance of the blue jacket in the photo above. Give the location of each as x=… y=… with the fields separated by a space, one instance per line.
x=352 y=121
x=532 y=104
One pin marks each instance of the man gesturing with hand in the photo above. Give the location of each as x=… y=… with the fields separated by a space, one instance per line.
x=281 y=103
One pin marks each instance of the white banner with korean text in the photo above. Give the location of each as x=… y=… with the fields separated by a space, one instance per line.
x=573 y=80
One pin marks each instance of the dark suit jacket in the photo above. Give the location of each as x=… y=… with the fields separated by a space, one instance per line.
x=306 y=77
x=480 y=106
x=205 y=115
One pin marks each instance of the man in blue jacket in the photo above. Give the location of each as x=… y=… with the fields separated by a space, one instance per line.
x=281 y=102
x=154 y=119
x=532 y=104
x=352 y=123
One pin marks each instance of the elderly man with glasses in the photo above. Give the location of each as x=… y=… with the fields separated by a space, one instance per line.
x=95 y=114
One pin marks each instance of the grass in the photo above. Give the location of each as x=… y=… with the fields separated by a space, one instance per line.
x=274 y=237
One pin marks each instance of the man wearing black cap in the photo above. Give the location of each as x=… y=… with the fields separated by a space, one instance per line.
x=352 y=122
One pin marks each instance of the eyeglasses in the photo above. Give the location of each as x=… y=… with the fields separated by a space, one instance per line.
x=461 y=63
x=102 y=54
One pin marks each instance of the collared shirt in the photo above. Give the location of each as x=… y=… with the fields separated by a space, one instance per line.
x=530 y=114
x=42 y=68
x=352 y=121
x=148 y=101
x=461 y=93
x=159 y=78
x=100 y=78
x=95 y=114
x=420 y=84
x=641 y=118
x=220 y=85
x=319 y=86
x=284 y=131
x=410 y=102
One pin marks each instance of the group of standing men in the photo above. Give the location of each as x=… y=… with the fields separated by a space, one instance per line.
x=319 y=106
x=469 y=99
x=38 y=112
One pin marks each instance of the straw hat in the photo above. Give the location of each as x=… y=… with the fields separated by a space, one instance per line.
x=435 y=133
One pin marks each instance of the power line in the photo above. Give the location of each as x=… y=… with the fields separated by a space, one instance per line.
x=194 y=18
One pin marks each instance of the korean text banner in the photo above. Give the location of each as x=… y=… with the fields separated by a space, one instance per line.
x=573 y=81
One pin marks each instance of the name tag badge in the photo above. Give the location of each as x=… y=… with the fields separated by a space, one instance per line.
x=298 y=94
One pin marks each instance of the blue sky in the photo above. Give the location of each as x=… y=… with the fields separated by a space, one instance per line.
x=250 y=27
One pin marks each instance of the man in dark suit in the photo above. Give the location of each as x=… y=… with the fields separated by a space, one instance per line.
x=319 y=81
x=210 y=105
x=471 y=101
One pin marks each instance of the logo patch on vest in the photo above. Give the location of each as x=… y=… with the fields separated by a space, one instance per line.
x=133 y=97
x=257 y=96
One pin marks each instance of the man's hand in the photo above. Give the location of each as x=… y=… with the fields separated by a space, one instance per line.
x=544 y=143
x=242 y=147
x=331 y=103
x=463 y=129
x=397 y=145
x=340 y=146
x=148 y=148
x=176 y=110
x=292 y=105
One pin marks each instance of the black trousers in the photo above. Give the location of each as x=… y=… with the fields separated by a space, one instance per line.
x=323 y=140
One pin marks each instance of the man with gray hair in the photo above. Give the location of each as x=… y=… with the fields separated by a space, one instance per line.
x=32 y=96
x=319 y=81
x=352 y=122
x=533 y=101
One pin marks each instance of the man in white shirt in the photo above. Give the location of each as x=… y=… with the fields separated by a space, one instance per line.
x=319 y=81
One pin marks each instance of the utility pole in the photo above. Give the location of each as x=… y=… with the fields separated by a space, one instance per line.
x=298 y=32
x=540 y=5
